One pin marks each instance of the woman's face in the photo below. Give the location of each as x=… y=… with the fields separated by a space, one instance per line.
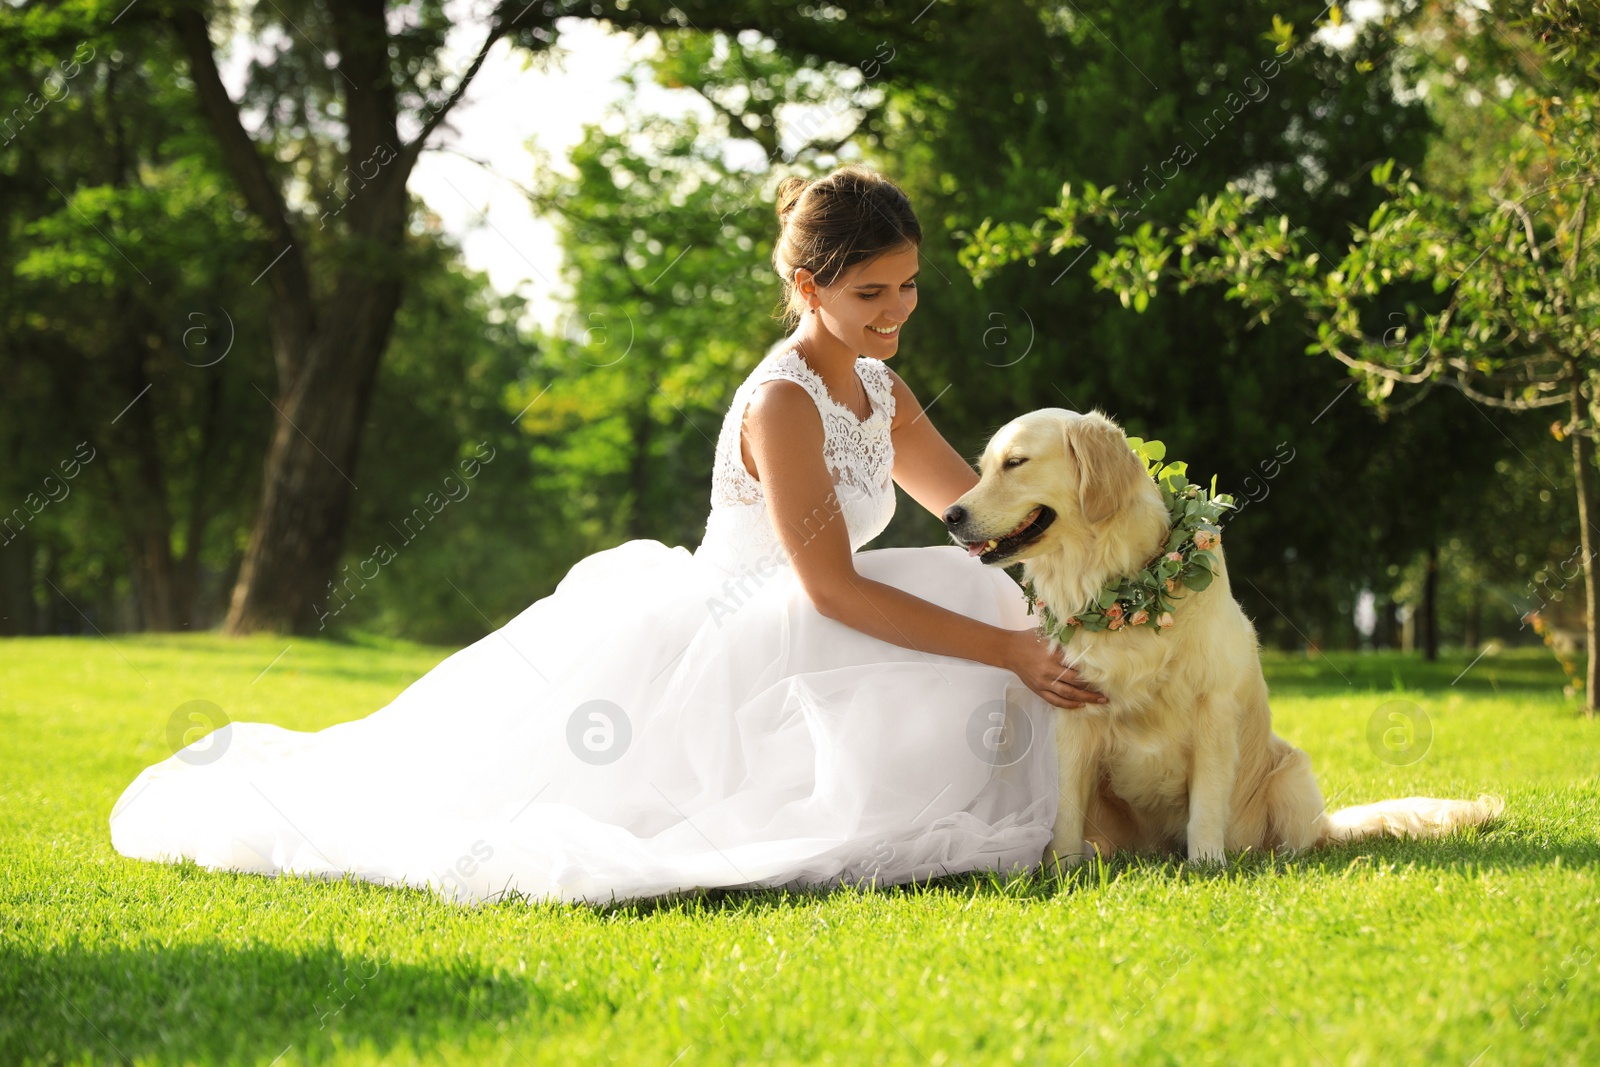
x=868 y=303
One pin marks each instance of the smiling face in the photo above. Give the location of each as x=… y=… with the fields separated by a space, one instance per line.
x=866 y=306
x=1046 y=465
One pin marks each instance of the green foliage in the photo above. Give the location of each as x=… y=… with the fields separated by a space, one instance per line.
x=130 y=262
x=1145 y=109
x=664 y=256
x=126 y=315
x=1495 y=291
x=979 y=110
x=1510 y=264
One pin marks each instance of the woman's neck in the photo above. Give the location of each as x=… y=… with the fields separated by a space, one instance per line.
x=828 y=356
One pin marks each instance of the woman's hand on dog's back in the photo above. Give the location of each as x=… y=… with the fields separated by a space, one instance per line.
x=1047 y=673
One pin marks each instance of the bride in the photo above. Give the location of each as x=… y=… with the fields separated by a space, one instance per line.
x=778 y=707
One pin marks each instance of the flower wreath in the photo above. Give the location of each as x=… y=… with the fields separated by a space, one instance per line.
x=1146 y=597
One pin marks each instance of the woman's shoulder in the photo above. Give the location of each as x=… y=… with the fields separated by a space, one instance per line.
x=781 y=384
x=783 y=363
x=783 y=402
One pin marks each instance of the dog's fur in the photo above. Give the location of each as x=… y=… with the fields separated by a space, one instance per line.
x=1184 y=749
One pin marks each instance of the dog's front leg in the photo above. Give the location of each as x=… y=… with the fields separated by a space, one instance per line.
x=1077 y=748
x=1215 y=763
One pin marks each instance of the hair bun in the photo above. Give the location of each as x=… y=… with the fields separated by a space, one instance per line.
x=829 y=224
x=790 y=190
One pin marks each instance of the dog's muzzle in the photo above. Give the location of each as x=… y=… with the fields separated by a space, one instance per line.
x=992 y=548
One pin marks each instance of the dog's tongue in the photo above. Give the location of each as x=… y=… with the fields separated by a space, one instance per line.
x=977 y=548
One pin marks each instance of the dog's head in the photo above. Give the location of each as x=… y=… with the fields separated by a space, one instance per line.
x=1050 y=479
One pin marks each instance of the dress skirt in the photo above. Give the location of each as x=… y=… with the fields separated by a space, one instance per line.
x=655 y=724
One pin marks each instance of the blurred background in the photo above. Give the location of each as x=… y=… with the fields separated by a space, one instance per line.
x=329 y=317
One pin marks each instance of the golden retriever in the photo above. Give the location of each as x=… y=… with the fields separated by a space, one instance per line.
x=1184 y=750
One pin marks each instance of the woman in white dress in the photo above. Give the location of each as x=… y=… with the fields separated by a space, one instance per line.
x=776 y=708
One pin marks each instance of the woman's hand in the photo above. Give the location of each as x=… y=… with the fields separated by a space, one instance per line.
x=1046 y=673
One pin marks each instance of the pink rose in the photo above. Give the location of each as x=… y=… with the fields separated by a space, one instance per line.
x=1139 y=618
x=1164 y=620
x=1116 y=624
x=1172 y=585
x=1114 y=611
x=1176 y=557
x=1204 y=539
x=1070 y=620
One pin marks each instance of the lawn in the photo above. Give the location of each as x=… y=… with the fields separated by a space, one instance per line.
x=1480 y=949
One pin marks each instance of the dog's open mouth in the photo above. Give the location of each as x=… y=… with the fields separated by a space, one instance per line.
x=1029 y=530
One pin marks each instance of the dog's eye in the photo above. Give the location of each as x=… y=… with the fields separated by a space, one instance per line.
x=1015 y=461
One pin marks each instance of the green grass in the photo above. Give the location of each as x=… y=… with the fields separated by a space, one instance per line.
x=1481 y=949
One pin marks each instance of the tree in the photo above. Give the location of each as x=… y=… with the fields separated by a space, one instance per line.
x=1053 y=94
x=332 y=133
x=346 y=113
x=119 y=256
x=1498 y=297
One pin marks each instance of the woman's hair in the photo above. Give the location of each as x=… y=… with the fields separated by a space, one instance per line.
x=828 y=225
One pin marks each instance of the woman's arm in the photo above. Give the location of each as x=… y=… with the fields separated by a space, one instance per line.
x=785 y=436
x=925 y=465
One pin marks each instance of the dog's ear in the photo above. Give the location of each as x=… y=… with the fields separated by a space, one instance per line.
x=1108 y=471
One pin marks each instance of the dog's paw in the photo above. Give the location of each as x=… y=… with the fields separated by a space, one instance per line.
x=1208 y=856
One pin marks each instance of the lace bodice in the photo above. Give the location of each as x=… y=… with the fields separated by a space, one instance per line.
x=859 y=455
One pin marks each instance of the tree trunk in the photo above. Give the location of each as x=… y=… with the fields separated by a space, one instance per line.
x=1430 y=607
x=1389 y=624
x=147 y=520
x=18 y=612
x=1474 y=626
x=201 y=502
x=1582 y=477
x=328 y=340
x=57 y=617
x=309 y=474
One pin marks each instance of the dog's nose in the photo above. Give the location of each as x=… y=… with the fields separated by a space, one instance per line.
x=955 y=515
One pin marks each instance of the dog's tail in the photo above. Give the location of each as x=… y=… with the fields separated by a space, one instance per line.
x=1409 y=817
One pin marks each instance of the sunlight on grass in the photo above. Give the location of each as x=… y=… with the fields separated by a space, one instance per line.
x=1482 y=948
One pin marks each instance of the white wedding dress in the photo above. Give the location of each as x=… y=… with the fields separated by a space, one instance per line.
x=664 y=720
